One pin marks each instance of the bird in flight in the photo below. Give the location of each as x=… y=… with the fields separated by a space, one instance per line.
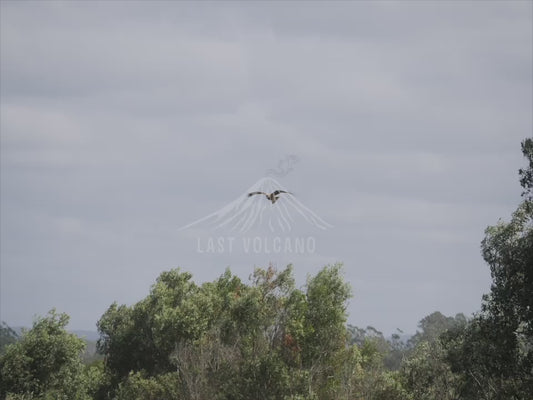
x=273 y=197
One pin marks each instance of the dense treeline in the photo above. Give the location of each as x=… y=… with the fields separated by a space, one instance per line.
x=268 y=339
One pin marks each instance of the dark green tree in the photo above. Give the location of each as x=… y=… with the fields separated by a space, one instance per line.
x=325 y=334
x=493 y=355
x=434 y=325
x=7 y=336
x=325 y=318
x=392 y=350
x=426 y=375
x=526 y=174
x=45 y=362
x=228 y=340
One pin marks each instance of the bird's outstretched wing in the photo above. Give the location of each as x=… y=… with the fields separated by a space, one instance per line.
x=275 y=193
x=251 y=194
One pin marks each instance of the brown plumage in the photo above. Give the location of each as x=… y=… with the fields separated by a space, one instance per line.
x=273 y=197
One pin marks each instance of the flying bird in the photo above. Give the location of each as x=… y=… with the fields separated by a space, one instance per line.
x=273 y=197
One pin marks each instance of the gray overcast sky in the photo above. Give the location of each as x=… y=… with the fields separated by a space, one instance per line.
x=123 y=121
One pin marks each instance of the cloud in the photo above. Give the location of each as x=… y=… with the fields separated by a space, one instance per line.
x=121 y=124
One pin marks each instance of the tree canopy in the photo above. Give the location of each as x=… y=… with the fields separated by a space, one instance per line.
x=46 y=361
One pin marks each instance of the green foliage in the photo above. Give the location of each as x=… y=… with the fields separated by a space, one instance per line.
x=391 y=351
x=426 y=375
x=325 y=328
x=7 y=336
x=483 y=357
x=95 y=380
x=228 y=340
x=526 y=175
x=325 y=317
x=434 y=325
x=370 y=379
x=493 y=355
x=141 y=337
x=508 y=249
x=392 y=369
x=44 y=363
x=139 y=387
